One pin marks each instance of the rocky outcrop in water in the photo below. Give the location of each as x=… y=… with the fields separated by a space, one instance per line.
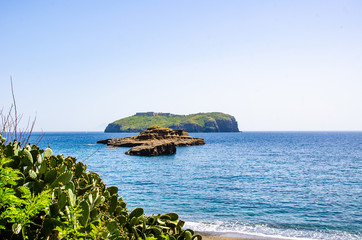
x=153 y=149
x=154 y=141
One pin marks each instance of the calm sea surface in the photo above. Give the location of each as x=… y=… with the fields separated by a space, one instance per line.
x=285 y=185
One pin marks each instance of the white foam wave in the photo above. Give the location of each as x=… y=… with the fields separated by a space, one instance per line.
x=263 y=231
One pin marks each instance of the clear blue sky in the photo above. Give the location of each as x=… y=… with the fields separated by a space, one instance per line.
x=274 y=65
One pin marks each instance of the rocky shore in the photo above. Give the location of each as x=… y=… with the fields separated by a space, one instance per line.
x=154 y=141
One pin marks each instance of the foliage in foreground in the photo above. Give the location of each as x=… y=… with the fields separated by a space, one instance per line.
x=43 y=196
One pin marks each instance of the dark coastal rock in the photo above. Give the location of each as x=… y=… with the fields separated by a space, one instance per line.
x=154 y=141
x=154 y=149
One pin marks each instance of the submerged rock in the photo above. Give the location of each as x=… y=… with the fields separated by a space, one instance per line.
x=154 y=141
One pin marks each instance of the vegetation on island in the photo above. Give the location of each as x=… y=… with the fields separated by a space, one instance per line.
x=200 y=122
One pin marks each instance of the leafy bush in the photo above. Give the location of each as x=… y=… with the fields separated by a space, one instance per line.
x=43 y=196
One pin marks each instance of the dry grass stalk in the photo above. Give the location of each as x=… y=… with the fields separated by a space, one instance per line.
x=10 y=123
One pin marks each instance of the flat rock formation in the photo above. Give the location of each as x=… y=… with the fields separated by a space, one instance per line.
x=200 y=122
x=154 y=141
x=153 y=149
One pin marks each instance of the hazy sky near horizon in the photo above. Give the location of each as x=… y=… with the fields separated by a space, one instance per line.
x=274 y=65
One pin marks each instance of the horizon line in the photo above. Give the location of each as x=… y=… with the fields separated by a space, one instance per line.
x=76 y=131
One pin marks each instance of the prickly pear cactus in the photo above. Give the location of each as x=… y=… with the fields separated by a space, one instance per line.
x=81 y=207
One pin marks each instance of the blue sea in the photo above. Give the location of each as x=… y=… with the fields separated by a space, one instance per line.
x=266 y=185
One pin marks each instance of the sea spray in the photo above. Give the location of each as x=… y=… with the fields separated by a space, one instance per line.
x=264 y=231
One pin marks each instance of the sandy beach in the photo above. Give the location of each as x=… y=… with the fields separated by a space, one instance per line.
x=211 y=236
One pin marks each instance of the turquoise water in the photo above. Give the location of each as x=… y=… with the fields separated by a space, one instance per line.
x=285 y=185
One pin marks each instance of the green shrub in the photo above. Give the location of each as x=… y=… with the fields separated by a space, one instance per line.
x=43 y=196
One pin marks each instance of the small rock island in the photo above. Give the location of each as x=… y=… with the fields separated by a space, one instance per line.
x=154 y=141
x=199 y=122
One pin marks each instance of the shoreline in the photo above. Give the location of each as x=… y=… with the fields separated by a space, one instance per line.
x=213 y=237
x=229 y=236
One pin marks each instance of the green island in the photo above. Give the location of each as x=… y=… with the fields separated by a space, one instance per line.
x=43 y=196
x=200 y=122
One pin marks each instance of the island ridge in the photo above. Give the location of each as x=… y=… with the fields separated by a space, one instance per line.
x=200 y=122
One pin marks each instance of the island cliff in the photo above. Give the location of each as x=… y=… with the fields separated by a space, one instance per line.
x=200 y=122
